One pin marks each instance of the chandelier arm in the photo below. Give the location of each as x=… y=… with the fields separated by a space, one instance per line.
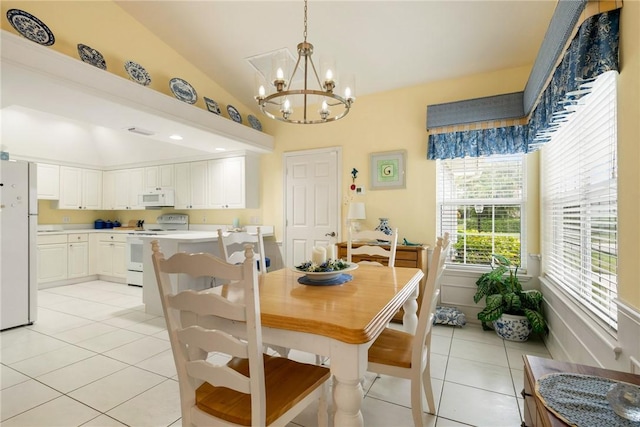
x=313 y=66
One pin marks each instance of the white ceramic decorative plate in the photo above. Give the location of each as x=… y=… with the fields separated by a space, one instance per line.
x=234 y=114
x=254 y=122
x=212 y=105
x=137 y=73
x=183 y=90
x=91 y=56
x=30 y=27
x=321 y=276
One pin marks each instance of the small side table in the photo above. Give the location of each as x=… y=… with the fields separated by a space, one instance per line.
x=535 y=413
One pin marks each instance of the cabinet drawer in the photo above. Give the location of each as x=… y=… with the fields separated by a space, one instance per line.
x=52 y=239
x=112 y=237
x=410 y=258
x=77 y=237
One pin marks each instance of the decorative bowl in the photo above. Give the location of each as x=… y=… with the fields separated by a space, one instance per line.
x=625 y=400
x=323 y=276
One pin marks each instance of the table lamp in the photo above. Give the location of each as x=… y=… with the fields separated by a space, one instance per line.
x=356 y=212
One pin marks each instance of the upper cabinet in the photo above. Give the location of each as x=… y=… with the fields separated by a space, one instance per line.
x=156 y=177
x=233 y=183
x=48 y=181
x=122 y=188
x=80 y=188
x=191 y=185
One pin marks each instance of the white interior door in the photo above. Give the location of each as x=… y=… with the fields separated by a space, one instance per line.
x=312 y=202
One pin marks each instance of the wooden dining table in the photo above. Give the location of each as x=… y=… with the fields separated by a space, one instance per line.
x=337 y=321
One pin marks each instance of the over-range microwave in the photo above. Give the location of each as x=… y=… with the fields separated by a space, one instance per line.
x=157 y=198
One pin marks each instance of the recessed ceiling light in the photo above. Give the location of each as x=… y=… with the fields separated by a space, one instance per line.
x=221 y=149
x=176 y=137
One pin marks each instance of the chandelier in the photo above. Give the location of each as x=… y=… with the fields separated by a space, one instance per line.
x=316 y=101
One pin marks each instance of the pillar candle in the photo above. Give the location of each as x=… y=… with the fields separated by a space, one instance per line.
x=331 y=252
x=318 y=255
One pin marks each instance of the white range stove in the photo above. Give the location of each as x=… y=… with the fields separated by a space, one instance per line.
x=165 y=224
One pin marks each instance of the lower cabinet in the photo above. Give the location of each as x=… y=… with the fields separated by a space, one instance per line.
x=77 y=255
x=52 y=258
x=111 y=255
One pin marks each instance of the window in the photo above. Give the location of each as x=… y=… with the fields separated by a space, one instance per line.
x=481 y=205
x=579 y=202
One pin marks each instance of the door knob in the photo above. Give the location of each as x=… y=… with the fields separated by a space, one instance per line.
x=332 y=234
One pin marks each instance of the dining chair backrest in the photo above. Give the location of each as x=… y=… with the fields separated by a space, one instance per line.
x=231 y=247
x=404 y=355
x=429 y=300
x=200 y=325
x=368 y=244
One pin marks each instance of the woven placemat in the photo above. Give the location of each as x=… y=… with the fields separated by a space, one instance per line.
x=580 y=400
x=343 y=278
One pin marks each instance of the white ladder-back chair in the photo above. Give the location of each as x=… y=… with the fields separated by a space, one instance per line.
x=401 y=354
x=368 y=244
x=277 y=388
x=231 y=247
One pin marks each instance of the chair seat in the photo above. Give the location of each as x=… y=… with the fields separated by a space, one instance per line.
x=235 y=407
x=393 y=348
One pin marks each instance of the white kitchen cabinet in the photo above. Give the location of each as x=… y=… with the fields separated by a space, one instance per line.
x=128 y=184
x=48 y=181
x=191 y=185
x=111 y=259
x=109 y=190
x=234 y=183
x=77 y=255
x=156 y=177
x=80 y=188
x=52 y=258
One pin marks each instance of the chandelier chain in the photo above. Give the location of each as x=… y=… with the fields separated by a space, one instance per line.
x=305 y=20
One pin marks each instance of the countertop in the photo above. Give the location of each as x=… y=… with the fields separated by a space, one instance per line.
x=193 y=235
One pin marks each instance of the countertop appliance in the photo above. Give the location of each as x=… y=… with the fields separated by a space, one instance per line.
x=165 y=224
x=158 y=198
x=18 y=250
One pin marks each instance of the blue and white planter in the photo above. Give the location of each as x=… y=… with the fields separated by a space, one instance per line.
x=512 y=328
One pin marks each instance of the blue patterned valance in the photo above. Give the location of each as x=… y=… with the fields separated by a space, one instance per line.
x=593 y=51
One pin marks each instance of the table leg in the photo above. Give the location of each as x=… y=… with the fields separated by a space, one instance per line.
x=348 y=365
x=410 y=317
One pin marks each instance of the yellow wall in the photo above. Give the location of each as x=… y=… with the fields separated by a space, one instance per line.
x=48 y=214
x=629 y=155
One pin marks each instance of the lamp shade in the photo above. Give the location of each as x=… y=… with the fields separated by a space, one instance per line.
x=356 y=211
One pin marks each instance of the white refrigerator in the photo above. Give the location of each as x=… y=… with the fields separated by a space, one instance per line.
x=18 y=262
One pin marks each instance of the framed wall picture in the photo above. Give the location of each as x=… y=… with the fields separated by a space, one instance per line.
x=388 y=170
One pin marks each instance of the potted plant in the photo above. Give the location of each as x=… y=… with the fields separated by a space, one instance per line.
x=515 y=313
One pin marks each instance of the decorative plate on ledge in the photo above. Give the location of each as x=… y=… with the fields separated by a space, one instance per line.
x=91 y=56
x=30 y=27
x=234 y=114
x=183 y=90
x=254 y=122
x=212 y=106
x=137 y=73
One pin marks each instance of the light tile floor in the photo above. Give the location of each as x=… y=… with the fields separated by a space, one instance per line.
x=94 y=358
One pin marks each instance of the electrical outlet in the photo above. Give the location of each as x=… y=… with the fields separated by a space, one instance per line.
x=359 y=190
x=66 y=219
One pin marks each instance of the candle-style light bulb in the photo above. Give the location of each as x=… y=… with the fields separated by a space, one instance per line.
x=287 y=105
x=325 y=107
x=279 y=74
x=329 y=75
x=261 y=91
x=347 y=92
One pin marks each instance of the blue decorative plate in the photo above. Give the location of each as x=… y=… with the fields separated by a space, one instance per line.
x=30 y=27
x=137 y=73
x=254 y=122
x=212 y=106
x=339 y=280
x=91 y=56
x=183 y=90
x=234 y=114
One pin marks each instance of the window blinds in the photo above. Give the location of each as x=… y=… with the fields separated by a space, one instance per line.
x=480 y=204
x=579 y=202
